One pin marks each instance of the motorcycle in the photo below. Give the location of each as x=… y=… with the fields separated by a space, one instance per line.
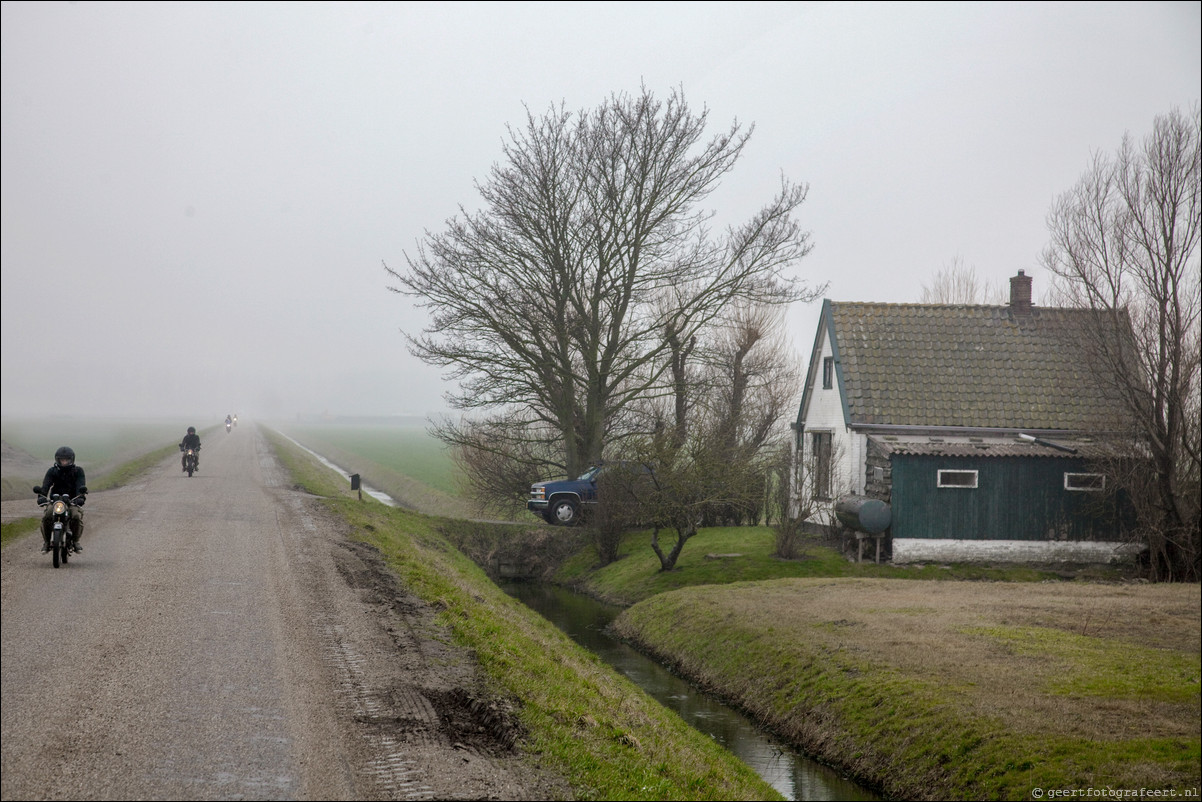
x=228 y=426
x=60 y=523
x=191 y=460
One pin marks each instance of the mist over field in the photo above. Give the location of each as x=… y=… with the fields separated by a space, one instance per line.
x=198 y=199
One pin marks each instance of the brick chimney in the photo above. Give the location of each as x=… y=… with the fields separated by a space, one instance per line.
x=1020 y=294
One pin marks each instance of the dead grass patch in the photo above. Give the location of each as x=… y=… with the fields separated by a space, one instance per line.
x=955 y=675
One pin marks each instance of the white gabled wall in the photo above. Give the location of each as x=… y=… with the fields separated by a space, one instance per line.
x=824 y=413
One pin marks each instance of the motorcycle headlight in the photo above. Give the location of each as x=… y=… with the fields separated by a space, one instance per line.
x=59 y=508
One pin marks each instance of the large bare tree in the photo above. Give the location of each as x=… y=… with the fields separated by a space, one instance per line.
x=1125 y=243
x=563 y=297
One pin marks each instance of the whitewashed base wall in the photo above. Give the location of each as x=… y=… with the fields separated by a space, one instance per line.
x=910 y=550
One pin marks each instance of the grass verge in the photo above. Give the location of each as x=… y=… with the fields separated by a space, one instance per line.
x=946 y=690
x=724 y=555
x=128 y=471
x=404 y=461
x=582 y=719
x=14 y=530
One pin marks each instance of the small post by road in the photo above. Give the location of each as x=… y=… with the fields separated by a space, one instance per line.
x=355 y=485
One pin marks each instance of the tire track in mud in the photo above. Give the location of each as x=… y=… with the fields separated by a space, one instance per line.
x=411 y=705
x=389 y=770
x=380 y=764
x=389 y=719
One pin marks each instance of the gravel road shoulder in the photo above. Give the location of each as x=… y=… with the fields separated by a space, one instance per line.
x=413 y=700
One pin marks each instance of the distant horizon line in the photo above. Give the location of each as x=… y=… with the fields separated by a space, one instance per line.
x=219 y=416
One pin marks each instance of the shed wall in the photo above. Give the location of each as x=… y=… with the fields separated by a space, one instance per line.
x=1016 y=499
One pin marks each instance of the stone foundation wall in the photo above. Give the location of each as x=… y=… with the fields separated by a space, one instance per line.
x=910 y=550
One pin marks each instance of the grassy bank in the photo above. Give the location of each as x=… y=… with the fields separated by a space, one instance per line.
x=405 y=462
x=14 y=530
x=952 y=690
x=980 y=689
x=595 y=727
x=744 y=554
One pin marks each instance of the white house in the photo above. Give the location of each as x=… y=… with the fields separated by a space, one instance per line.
x=981 y=426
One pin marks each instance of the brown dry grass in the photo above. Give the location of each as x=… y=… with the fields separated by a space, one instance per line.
x=945 y=632
x=937 y=689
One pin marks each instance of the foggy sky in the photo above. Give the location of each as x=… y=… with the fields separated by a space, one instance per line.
x=197 y=198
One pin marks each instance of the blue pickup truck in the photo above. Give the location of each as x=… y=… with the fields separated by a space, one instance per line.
x=565 y=502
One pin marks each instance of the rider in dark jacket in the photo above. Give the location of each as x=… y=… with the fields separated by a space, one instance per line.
x=191 y=440
x=67 y=479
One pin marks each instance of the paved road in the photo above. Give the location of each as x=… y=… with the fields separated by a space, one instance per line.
x=219 y=638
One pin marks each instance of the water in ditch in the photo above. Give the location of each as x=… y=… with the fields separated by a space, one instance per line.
x=585 y=620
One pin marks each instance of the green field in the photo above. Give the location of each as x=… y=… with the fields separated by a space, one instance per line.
x=410 y=450
x=100 y=445
x=404 y=461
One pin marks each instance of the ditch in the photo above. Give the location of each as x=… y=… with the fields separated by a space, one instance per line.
x=790 y=772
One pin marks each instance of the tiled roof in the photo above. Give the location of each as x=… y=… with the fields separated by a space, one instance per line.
x=974 y=366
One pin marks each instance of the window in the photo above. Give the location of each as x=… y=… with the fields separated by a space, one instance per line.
x=820 y=443
x=957 y=479
x=1088 y=482
x=828 y=372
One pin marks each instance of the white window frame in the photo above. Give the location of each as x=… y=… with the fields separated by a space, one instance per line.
x=1098 y=489
x=939 y=479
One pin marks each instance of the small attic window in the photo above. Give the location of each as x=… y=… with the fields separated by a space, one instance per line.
x=948 y=478
x=828 y=372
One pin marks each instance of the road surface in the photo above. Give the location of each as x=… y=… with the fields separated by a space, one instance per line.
x=222 y=638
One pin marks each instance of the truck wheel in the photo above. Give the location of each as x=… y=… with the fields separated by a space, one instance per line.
x=565 y=512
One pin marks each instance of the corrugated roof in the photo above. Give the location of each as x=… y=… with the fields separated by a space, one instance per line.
x=1083 y=450
x=973 y=366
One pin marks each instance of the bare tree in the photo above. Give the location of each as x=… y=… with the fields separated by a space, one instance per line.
x=805 y=496
x=958 y=283
x=499 y=457
x=1124 y=243
x=590 y=262
x=688 y=480
x=755 y=380
x=711 y=439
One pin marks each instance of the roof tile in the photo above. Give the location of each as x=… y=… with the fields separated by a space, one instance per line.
x=975 y=366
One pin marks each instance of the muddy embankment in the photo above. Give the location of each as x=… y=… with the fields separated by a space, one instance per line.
x=525 y=552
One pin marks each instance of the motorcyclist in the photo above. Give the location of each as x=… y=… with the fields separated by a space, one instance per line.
x=67 y=479
x=228 y=422
x=191 y=440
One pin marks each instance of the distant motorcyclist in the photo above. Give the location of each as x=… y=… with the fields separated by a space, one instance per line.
x=191 y=440
x=64 y=478
x=228 y=422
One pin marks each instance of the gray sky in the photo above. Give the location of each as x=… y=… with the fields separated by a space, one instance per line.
x=198 y=197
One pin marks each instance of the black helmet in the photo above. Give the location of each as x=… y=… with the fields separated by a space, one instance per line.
x=64 y=456
x=191 y=430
